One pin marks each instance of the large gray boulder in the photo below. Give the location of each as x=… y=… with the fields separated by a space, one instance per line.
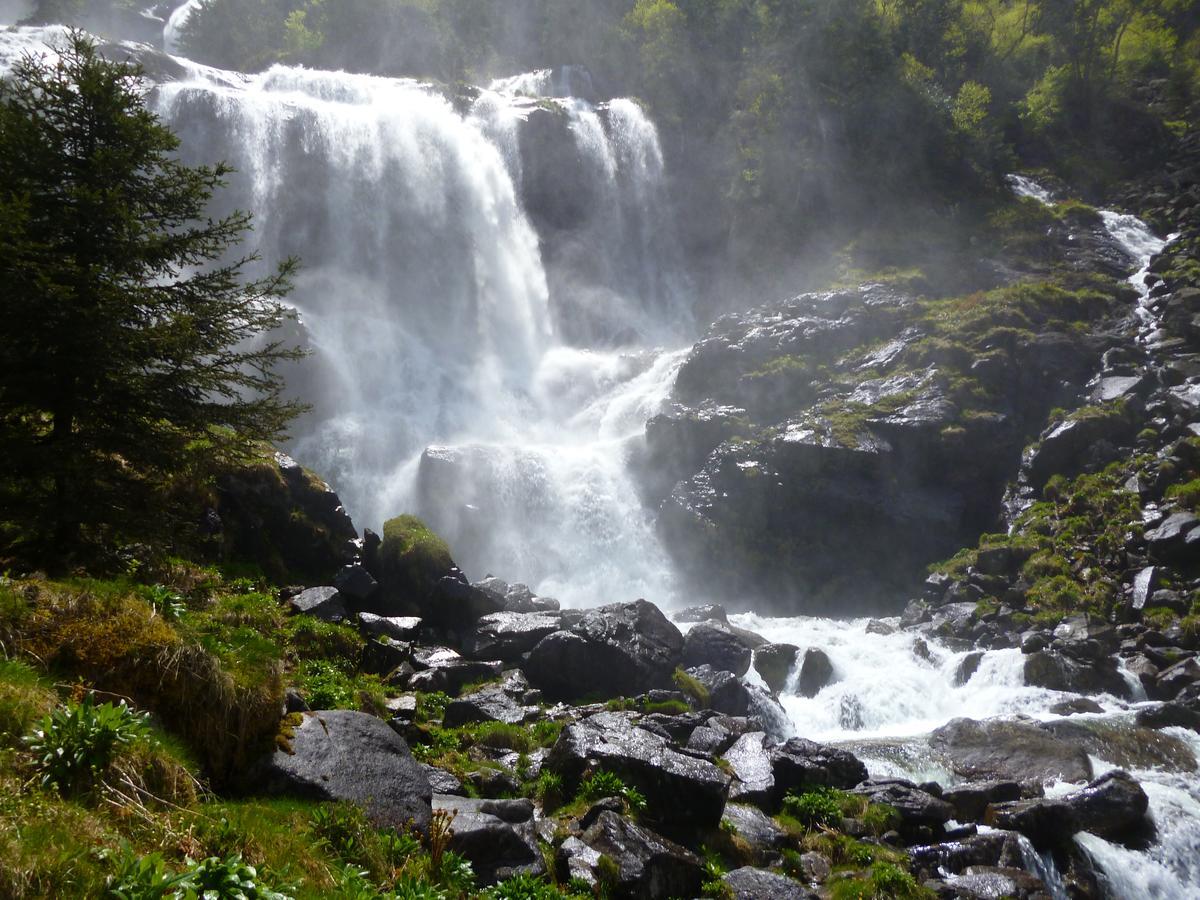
x=497 y=837
x=749 y=883
x=1007 y=750
x=684 y=794
x=648 y=866
x=914 y=806
x=1114 y=806
x=764 y=774
x=508 y=636
x=504 y=701
x=353 y=757
x=774 y=664
x=716 y=644
x=624 y=649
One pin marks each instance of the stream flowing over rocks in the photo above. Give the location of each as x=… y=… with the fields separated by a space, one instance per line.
x=501 y=345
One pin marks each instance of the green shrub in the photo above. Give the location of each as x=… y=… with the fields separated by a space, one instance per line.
x=601 y=784
x=229 y=878
x=503 y=736
x=432 y=706
x=1186 y=495
x=815 y=808
x=75 y=744
x=146 y=878
x=526 y=887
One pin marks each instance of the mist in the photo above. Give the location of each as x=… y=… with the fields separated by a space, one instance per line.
x=13 y=11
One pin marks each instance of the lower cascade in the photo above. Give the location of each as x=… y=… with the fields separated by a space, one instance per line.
x=889 y=589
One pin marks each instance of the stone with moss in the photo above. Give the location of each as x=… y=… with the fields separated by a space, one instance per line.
x=412 y=560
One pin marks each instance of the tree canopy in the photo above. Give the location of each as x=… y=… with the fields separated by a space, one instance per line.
x=131 y=335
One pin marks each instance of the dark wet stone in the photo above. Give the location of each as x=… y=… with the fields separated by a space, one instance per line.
x=715 y=644
x=621 y=650
x=684 y=794
x=496 y=836
x=648 y=865
x=1008 y=750
x=971 y=800
x=815 y=672
x=320 y=602
x=915 y=806
x=507 y=636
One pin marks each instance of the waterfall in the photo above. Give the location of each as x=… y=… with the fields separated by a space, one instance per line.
x=442 y=376
x=173 y=30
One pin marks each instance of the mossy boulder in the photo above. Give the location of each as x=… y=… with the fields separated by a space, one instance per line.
x=409 y=564
x=279 y=516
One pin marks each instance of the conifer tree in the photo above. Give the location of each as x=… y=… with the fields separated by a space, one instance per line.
x=129 y=333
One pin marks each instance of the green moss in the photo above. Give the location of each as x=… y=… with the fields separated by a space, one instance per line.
x=1186 y=495
x=692 y=688
x=412 y=558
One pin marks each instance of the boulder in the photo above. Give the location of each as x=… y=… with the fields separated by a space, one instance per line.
x=967 y=667
x=443 y=782
x=383 y=656
x=321 y=603
x=353 y=757
x=411 y=561
x=715 y=644
x=274 y=511
x=1174 y=679
x=355 y=583
x=970 y=801
x=1047 y=823
x=774 y=664
x=732 y=696
x=1169 y=715
x=748 y=883
x=800 y=763
x=1075 y=707
x=443 y=669
x=503 y=702
x=648 y=866
x=1169 y=541
x=497 y=837
x=815 y=672
x=710 y=612
x=1124 y=744
x=1114 y=806
x=1057 y=672
x=456 y=606
x=915 y=806
x=620 y=650
x=759 y=831
x=1008 y=751
x=508 y=636
x=749 y=760
x=684 y=794
x=405 y=628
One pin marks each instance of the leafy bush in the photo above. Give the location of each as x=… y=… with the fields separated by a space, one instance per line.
x=525 y=887
x=229 y=879
x=814 y=808
x=76 y=743
x=146 y=878
x=603 y=784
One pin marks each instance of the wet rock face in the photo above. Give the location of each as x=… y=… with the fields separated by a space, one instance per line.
x=684 y=794
x=716 y=645
x=647 y=864
x=749 y=883
x=620 y=650
x=1014 y=751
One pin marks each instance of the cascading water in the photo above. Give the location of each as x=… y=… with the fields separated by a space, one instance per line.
x=173 y=30
x=427 y=301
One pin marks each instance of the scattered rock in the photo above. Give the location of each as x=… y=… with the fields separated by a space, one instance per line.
x=321 y=603
x=621 y=650
x=760 y=832
x=970 y=801
x=496 y=836
x=348 y=756
x=683 y=793
x=758 y=884
x=402 y=628
x=915 y=806
x=815 y=672
x=648 y=865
